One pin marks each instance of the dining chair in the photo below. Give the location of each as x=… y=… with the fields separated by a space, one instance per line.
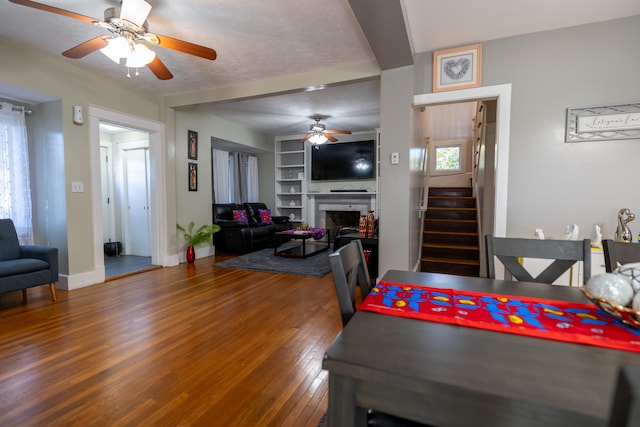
x=349 y=270
x=617 y=253
x=625 y=405
x=564 y=253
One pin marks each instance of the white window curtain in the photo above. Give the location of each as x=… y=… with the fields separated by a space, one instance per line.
x=253 y=181
x=15 y=188
x=220 y=176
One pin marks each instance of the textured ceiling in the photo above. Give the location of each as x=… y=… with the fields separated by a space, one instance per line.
x=263 y=40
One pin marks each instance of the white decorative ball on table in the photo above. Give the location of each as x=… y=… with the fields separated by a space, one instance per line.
x=612 y=287
x=636 y=302
x=632 y=273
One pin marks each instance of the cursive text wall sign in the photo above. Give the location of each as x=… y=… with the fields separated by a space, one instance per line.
x=603 y=123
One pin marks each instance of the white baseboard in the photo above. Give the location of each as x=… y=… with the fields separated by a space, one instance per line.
x=201 y=252
x=82 y=280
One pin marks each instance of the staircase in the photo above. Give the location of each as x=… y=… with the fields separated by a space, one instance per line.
x=450 y=236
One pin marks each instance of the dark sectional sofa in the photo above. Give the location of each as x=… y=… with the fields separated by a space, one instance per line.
x=236 y=237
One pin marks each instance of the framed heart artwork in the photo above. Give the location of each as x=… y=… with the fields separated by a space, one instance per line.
x=457 y=68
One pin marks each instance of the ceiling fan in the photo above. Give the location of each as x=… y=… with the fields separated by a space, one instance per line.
x=319 y=134
x=128 y=26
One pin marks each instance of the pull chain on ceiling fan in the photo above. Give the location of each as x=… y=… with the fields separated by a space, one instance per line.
x=128 y=26
x=319 y=134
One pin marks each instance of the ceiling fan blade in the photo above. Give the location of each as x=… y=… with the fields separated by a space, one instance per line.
x=344 y=132
x=135 y=11
x=83 y=49
x=158 y=68
x=306 y=137
x=329 y=137
x=52 y=9
x=182 y=46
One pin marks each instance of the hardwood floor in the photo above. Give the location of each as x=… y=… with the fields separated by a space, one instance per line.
x=192 y=345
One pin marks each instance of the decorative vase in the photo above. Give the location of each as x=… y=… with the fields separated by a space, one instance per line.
x=362 y=226
x=371 y=223
x=191 y=254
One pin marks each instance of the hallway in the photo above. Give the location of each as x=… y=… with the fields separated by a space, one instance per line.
x=119 y=266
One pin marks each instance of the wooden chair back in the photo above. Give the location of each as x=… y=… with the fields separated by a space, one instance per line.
x=616 y=253
x=349 y=269
x=565 y=253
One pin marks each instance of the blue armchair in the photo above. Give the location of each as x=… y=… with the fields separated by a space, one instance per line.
x=25 y=266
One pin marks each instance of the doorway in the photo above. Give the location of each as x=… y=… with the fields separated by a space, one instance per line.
x=501 y=95
x=140 y=159
x=125 y=167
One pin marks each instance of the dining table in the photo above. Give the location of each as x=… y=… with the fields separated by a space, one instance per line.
x=444 y=374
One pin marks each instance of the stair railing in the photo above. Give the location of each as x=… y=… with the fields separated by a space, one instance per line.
x=424 y=191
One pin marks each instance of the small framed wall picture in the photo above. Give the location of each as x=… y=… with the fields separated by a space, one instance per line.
x=193 y=177
x=192 y=148
x=457 y=68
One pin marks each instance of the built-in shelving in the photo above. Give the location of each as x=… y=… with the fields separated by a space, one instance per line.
x=290 y=180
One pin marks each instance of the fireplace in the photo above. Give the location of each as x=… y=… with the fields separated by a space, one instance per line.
x=334 y=210
x=333 y=216
x=335 y=220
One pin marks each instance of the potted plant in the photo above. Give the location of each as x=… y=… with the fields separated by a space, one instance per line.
x=194 y=238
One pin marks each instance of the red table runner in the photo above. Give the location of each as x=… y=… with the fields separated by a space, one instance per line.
x=535 y=317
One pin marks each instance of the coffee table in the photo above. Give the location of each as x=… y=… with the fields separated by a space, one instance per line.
x=305 y=249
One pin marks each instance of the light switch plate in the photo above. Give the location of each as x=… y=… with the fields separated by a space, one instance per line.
x=395 y=158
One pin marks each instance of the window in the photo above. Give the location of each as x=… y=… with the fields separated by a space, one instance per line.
x=448 y=158
x=15 y=189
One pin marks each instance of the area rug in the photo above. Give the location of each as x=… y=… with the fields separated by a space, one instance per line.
x=264 y=260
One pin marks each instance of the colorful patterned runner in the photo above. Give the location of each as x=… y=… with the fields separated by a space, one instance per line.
x=316 y=233
x=535 y=317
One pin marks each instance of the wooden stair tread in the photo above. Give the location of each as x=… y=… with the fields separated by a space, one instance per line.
x=451 y=233
x=449 y=208
x=452 y=197
x=451 y=261
x=450 y=246
x=450 y=219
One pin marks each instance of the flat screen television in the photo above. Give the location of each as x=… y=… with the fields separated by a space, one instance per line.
x=343 y=161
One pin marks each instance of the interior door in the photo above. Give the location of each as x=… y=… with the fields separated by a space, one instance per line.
x=108 y=213
x=137 y=172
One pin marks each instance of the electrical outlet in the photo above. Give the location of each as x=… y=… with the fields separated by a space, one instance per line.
x=77 y=187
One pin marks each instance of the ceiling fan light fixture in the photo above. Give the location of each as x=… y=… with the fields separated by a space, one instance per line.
x=318 y=139
x=140 y=56
x=117 y=48
x=137 y=55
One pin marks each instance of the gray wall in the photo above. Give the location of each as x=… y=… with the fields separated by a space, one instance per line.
x=553 y=183
x=398 y=193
